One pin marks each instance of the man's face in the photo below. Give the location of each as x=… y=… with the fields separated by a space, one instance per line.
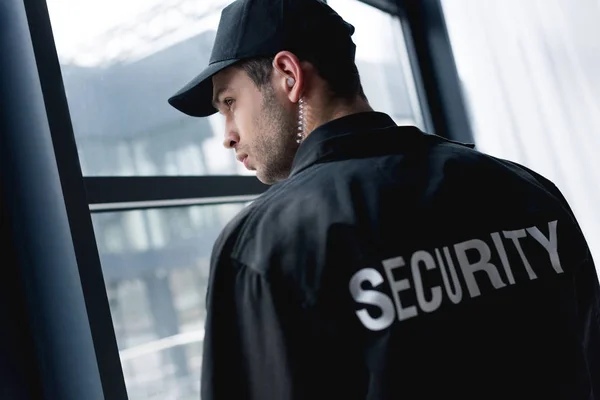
x=260 y=125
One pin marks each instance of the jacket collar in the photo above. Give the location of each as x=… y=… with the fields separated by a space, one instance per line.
x=353 y=136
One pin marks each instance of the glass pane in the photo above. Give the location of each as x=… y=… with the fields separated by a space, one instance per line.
x=382 y=60
x=529 y=71
x=156 y=265
x=121 y=60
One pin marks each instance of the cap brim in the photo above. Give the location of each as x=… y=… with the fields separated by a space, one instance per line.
x=195 y=98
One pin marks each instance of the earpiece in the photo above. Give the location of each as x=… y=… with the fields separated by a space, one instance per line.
x=290 y=81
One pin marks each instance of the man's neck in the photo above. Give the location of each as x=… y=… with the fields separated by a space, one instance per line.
x=319 y=114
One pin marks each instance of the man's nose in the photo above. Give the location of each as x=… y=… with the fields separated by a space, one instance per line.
x=231 y=140
x=231 y=136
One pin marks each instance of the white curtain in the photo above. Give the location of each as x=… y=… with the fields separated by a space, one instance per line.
x=530 y=71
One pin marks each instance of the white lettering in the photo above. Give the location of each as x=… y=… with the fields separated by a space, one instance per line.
x=474 y=261
x=550 y=244
x=503 y=257
x=372 y=297
x=515 y=236
x=436 y=292
x=398 y=286
x=456 y=295
x=483 y=264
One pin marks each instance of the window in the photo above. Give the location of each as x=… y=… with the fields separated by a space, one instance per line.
x=530 y=74
x=382 y=60
x=156 y=265
x=120 y=62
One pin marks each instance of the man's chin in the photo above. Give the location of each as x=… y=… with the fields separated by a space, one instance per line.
x=265 y=180
x=268 y=179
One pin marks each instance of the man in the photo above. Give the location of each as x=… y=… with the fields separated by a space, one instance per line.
x=382 y=263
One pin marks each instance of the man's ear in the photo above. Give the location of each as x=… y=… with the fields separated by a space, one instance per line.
x=289 y=75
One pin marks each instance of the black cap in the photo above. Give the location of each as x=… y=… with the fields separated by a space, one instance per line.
x=262 y=28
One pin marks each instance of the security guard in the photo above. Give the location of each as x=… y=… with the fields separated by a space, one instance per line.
x=382 y=263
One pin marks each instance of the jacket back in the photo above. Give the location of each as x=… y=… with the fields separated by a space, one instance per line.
x=395 y=264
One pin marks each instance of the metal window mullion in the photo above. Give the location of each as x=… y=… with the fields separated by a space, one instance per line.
x=435 y=60
x=78 y=218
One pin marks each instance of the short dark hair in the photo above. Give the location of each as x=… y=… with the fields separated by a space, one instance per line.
x=341 y=76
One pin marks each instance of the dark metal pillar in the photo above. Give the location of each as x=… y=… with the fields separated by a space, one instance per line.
x=19 y=375
x=435 y=62
x=53 y=246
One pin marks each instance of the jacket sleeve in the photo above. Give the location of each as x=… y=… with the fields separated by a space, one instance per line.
x=587 y=289
x=276 y=326
x=244 y=353
x=263 y=342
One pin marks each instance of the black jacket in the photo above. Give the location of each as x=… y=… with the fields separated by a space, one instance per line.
x=393 y=264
